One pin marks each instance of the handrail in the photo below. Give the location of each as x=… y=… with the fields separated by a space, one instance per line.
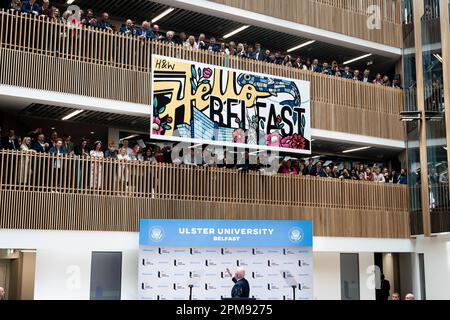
x=41 y=36
x=50 y=173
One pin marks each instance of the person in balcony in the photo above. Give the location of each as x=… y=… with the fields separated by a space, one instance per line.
x=170 y=38
x=10 y=142
x=58 y=151
x=182 y=37
x=202 y=42
x=368 y=175
x=128 y=28
x=104 y=23
x=315 y=66
x=378 y=80
x=240 y=51
x=89 y=20
x=386 y=82
x=68 y=145
x=347 y=73
x=356 y=75
x=145 y=32
x=111 y=152
x=366 y=76
x=326 y=68
x=96 y=167
x=190 y=43
x=53 y=138
x=287 y=61
x=39 y=145
x=403 y=179
x=149 y=156
x=123 y=172
x=31 y=7
x=212 y=46
x=15 y=5
x=25 y=164
x=258 y=53
x=46 y=10
x=156 y=34
x=136 y=153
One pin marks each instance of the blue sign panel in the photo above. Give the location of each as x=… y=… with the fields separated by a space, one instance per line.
x=231 y=233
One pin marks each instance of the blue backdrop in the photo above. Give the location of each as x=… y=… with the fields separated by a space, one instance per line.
x=228 y=233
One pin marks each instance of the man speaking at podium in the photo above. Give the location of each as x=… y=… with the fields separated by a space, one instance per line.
x=241 y=288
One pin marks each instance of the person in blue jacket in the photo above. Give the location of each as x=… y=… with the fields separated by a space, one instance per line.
x=31 y=7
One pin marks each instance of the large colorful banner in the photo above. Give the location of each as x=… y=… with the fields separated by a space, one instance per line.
x=176 y=254
x=201 y=103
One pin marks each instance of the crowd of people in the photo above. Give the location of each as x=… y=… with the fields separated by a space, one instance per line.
x=149 y=31
x=37 y=142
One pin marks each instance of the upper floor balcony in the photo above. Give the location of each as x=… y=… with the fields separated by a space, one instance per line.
x=46 y=55
x=61 y=192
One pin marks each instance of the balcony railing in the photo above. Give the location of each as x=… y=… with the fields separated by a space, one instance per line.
x=139 y=179
x=349 y=17
x=41 y=54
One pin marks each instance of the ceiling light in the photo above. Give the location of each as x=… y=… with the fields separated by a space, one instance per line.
x=358 y=58
x=301 y=46
x=70 y=1
x=316 y=157
x=232 y=33
x=445 y=148
x=356 y=149
x=72 y=114
x=130 y=137
x=162 y=15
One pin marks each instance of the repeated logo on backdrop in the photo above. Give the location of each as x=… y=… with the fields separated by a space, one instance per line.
x=168 y=267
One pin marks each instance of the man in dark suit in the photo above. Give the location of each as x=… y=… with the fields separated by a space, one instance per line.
x=315 y=66
x=10 y=142
x=39 y=145
x=366 y=76
x=145 y=32
x=347 y=74
x=258 y=53
x=241 y=288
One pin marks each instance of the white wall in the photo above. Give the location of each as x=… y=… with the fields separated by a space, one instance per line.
x=366 y=276
x=64 y=258
x=327 y=276
x=436 y=252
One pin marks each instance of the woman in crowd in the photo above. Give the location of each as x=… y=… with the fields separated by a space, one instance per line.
x=190 y=43
x=123 y=172
x=386 y=81
x=25 y=165
x=96 y=167
x=368 y=176
x=287 y=61
x=149 y=156
x=378 y=79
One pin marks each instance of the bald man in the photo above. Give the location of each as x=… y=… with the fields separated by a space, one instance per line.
x=2 y=293
x=410 y=296
x=241 y=288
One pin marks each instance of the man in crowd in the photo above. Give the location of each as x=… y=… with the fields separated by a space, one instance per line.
x=156 y=34
x=410 y=296
x=182 y=38
x=347 y=74
x=356 y=75
x=10 y=142
x=31 y=7
x=39 y=145
x=395 y=296
x=104 y=23
x=145 y=32
x=212 y=46
x=258 y=53
x=315 y=66
x=202 y=42
x=366 y=76
x=128 y=28
x=89 y=20
x=170 y=37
